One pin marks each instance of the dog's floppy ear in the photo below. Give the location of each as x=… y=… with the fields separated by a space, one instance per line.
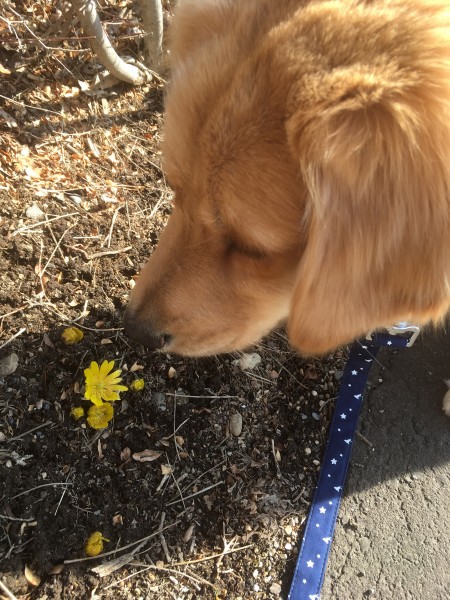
x=375 y=157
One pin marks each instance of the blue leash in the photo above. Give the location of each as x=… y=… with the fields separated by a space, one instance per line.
x=312 y=560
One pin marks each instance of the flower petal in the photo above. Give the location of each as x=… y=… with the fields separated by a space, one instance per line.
x=105 y=368
x=93 y=370
x=114 y=375
x=110 y=396
x=92 y=394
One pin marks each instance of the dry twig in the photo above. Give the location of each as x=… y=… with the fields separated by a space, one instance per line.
x=18 y=437
x=6 y=591
x=13 y=337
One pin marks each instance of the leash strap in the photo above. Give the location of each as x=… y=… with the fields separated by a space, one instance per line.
x=311 y=563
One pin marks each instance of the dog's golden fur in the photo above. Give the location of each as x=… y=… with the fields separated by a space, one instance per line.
x=308 y=145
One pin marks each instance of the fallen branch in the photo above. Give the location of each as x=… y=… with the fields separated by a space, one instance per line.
x=101 y=45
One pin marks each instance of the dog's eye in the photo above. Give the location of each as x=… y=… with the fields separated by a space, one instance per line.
x=244 y=250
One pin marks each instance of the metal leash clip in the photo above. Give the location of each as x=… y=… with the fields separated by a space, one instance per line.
x=401 y=328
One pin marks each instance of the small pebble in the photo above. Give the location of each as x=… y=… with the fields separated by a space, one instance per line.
x=160 y=401
x=275 y=589
x=34 y=212
x=315 y=416
x=247 y=362
x=235 y=424
x=338 y=375
x=307 y=450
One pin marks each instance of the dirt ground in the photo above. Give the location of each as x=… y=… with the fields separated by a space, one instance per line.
x=82 y=202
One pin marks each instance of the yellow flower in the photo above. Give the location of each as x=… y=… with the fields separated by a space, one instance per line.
x=94 y=545
x=77 y=412
x=101 y=384
x=72 y=335
x=137 y=385
x=99 y=416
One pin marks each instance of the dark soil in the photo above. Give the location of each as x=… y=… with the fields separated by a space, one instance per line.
x=226 y=510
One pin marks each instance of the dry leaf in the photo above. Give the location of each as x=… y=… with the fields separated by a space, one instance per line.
x=125 y=454
x=106 y=341
x=10 y=121
x=32 y=578
x=83 y=85
x=136 y=367
x=189 y=531
x=166 y=470
x=146 y=455
x=179 y=440
x=48 y=341
x=183 y=455
x=117 y=520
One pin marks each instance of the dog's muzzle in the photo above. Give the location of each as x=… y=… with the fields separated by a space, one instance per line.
x=143 y=332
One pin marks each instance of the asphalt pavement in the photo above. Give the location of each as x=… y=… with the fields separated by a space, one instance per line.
x=392 y=538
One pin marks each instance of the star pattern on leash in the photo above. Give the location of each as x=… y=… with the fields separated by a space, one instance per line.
x=321 y=520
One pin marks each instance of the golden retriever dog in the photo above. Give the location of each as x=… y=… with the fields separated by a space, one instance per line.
x=308 y=146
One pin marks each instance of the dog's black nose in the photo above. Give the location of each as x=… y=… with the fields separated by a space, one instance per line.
x=143 y=333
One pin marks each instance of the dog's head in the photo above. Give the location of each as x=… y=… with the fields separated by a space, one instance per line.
x=309 y=153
